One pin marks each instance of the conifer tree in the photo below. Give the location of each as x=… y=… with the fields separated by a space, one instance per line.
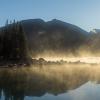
x=13 y=43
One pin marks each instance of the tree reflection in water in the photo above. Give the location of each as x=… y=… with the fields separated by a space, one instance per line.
x=15 y=84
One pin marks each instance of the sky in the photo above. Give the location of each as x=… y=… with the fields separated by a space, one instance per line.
x=83 y=13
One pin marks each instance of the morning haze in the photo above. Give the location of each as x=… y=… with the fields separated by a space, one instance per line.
x=49 y=50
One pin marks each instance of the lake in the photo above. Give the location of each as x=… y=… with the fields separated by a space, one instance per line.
x=63 y=82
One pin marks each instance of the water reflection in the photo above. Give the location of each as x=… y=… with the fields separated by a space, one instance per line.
x=16 y=84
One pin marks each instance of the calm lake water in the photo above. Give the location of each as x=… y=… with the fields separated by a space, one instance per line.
x=50 y=83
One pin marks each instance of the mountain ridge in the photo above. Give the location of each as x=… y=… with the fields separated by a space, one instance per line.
x=55 y=35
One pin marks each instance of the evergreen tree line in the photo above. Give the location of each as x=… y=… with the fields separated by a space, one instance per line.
x=13 y=45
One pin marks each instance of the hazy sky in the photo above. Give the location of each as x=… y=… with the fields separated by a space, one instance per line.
x=83 y=13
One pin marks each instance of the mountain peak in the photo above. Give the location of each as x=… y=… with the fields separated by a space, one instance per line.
x=95 y=31
x=34 y=20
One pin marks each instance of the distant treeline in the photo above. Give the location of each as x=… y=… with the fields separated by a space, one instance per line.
x=13 y=45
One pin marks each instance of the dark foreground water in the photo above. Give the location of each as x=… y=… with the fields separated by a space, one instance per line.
x=50 y=84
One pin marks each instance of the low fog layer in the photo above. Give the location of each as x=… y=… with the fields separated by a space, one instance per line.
x=54 y=38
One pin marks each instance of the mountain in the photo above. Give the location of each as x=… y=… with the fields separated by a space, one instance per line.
x=54 y=35
x=94 y=40
x=95 y=31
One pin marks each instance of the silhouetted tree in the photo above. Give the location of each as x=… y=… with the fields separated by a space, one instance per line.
x=13 y=44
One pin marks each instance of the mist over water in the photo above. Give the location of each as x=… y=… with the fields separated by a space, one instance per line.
x=61 y=82
x=82 y=59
